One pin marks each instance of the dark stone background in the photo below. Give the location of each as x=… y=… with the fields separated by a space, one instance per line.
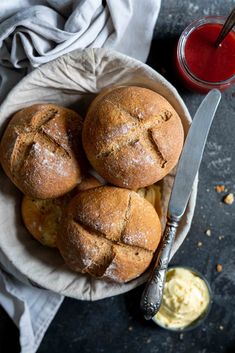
x=115 y=324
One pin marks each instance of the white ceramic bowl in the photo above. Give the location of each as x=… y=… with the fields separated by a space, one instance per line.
x=73 y=80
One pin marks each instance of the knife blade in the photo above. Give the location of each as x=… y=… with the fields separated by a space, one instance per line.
x=188 y=167
x=191 y=156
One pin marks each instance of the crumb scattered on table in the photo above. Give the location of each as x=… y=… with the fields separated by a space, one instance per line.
x=181 y=336
x=130 y=328
x=219 y=268
x=199 y=243
x=221 y=237
x=219 y=188
x=148 y=340
x=208 y=232
x=229 y=199
x=221 y=327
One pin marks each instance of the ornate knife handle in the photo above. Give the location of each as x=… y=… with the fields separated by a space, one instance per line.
x=152 y=295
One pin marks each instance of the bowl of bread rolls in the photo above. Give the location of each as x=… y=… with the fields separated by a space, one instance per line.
x=89 y=149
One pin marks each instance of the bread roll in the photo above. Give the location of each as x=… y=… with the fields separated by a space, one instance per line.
x=132 y=136
x=109 y=233
x=89 y=182
x=41 y=150
x=42 y=217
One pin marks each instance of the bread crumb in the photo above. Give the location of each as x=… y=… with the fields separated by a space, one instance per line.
x=221 y=237
x=219 y=268
x=221 y=327
x=181 y=336
x=148 y=340
x=208 y=232
x=219 y=188
x=199 y=243
x=130 y=328
x=229 y=199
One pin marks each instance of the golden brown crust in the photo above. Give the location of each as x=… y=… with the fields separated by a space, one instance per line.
x=109 y=233
x=132 y=136
x=41 y=150
x=42 y=217
x=125 y=266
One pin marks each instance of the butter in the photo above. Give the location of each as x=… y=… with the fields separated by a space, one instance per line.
x=186 y=297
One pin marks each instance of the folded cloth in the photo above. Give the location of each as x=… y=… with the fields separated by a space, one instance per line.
x=33 y=32
x=31 y=308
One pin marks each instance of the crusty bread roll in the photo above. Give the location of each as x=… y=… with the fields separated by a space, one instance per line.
x=41 y=150
x=42 y=217
x=132 y=136
x=110 y=233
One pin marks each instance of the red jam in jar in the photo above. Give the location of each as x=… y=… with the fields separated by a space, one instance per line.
x=201 y=65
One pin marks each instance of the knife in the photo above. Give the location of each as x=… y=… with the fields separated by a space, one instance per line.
x=188 y=166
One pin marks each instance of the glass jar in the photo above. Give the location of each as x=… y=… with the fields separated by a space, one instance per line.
x=197 y=320
x=206 y=58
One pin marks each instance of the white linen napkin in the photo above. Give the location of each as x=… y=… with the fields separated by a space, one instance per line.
x=33 y=32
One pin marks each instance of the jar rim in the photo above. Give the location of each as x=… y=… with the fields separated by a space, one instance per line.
x=181 y=52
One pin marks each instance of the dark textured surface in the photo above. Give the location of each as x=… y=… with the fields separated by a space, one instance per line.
x=115 y=324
